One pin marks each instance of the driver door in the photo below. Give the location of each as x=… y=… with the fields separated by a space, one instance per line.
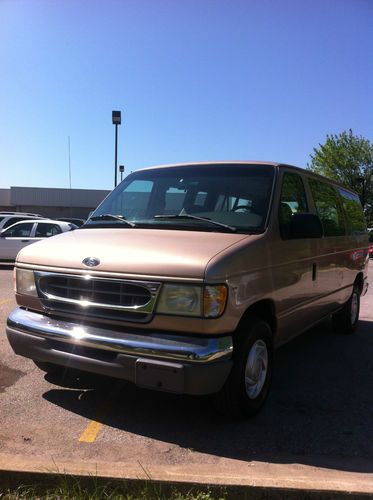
x=14 y=239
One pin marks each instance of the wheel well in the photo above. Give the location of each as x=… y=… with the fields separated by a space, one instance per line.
x=264 y=309
x=359 y=281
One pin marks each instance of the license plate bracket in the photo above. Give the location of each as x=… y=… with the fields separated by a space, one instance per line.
x=160 y=375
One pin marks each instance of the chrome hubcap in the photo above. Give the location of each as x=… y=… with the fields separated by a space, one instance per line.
x=354 y=308
x=256 y=369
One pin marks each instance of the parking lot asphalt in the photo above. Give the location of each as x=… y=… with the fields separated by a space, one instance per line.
x=315 y=432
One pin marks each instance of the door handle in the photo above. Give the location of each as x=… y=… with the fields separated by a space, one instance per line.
x=314 y=272
x=25 y=241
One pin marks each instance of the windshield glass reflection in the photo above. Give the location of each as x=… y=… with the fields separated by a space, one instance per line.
x=234 y=196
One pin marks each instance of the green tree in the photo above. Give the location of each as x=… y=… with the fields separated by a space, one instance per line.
x=347 y=158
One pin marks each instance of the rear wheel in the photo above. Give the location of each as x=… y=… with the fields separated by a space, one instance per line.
x=345 y=321
x=247 y=386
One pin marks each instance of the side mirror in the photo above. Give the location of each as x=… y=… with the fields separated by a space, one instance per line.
x=305 y=225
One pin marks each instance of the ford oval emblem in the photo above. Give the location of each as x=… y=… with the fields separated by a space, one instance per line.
x=91 y=261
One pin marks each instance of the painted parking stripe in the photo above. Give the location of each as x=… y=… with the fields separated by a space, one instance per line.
x=93 y=428
x=91 y=432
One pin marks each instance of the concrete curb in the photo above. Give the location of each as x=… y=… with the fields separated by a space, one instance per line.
x=11 y=480
x=266 y=482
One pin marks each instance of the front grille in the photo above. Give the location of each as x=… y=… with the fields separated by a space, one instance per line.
x=93 y=296
x=113 y=293
x=95 y=313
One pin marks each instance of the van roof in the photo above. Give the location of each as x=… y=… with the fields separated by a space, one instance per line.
x=252 y=162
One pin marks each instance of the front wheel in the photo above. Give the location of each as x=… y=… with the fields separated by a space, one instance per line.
x=247 y=386
x=345 y=321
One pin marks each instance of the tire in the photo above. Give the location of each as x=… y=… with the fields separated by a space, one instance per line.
x=243 y=396
x=346 y=320
x=50 y=367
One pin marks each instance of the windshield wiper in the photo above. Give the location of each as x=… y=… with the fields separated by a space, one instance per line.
x=120 y=218
x=184 y=215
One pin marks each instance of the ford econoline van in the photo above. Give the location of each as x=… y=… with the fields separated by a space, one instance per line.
x=187 y=277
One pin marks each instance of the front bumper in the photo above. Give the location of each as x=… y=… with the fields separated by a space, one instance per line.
x=173 y=363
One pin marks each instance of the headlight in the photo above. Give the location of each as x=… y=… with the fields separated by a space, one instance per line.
x=187 y=300
x=25 y=282
x=180 y=299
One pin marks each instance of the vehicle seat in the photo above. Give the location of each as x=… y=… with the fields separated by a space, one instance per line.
x=285 y=216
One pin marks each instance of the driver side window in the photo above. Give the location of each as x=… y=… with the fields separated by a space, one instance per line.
x=19 y=231
x=293 y=200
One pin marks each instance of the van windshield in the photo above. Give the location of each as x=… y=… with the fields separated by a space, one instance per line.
x=228 y=197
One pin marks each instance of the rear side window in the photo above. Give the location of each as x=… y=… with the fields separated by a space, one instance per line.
x=45 y=230
x=293 y=200
x=354 y=213
x=328 y=208
x=13 y=220
x=174 y=199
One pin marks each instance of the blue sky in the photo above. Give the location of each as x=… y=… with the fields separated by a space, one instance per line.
x=195 y=80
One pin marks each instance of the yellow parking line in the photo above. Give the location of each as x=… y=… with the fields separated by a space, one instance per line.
x=93 y=428
x=5 y=301
x=91 y=432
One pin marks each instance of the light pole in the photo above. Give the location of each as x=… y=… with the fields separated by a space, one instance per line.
x=116 y=117
x=121 y=170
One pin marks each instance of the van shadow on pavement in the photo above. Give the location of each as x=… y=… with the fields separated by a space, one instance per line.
x=319 y=412
x=9 y=376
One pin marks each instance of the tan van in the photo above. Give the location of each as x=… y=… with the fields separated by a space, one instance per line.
x=186 y=277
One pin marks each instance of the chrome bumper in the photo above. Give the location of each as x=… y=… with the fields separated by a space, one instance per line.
x=155 y=345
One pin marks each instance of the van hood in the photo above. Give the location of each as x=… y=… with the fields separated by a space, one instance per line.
x=142 y=252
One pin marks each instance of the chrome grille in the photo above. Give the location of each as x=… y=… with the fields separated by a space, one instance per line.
x=97 y=291
x=91 y=294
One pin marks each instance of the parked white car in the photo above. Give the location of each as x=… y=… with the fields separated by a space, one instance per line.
x=21 y=234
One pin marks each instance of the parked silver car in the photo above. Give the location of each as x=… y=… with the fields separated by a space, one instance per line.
x=21 y=234
x=7 y=219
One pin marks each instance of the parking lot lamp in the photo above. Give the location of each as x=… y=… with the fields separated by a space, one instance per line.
x=116 y=117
